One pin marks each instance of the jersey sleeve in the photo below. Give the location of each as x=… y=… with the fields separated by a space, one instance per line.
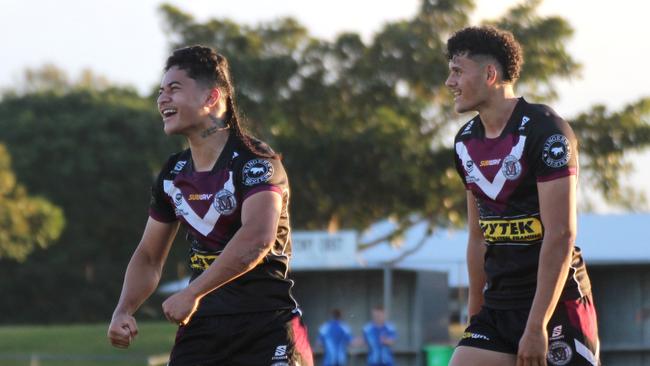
x=459 y=166
x=460 y=151
x=391 y=332
x=160 y=208
x=347 y=332
x=257 y=174
x=554 y=150
x=367 y=333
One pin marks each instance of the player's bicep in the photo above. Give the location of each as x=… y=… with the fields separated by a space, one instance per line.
x=157 y=239
x=261 y=214
x=473 y=226
x=557 y=205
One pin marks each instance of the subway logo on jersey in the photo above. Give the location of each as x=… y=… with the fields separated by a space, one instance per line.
x=517 y=230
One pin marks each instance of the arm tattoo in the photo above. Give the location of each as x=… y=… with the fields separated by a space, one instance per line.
x=251 y=257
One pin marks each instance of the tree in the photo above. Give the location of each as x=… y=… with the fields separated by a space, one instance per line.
x=93 y=153
x=52 y=79
x=543 y=39
x=605 y=139
x=26 y=222
x=366 y=128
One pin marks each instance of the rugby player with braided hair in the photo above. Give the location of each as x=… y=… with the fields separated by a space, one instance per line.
x=231 y=194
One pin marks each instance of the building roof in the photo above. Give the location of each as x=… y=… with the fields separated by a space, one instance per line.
x=612 y=239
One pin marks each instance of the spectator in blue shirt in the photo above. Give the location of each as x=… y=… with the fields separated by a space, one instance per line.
x=335 y=336
x=379 y=336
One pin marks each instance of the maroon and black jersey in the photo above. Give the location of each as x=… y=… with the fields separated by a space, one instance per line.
x=535 y=146
x=209 y=205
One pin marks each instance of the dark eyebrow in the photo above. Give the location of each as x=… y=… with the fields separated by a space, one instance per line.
x=170 y=84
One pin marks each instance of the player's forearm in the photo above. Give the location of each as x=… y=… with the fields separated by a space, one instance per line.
x=554 y=262
x=244 y=251
x=475 y=301
x=140 y=281
x=476 y=273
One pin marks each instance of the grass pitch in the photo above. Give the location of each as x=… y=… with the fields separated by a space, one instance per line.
x=76 y=345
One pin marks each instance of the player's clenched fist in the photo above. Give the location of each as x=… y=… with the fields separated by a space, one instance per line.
x=122 y=330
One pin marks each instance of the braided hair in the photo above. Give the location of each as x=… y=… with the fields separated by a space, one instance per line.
x=211 y=69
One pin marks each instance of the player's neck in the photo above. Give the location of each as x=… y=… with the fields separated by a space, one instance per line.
x=497 y=111
x=207 y=147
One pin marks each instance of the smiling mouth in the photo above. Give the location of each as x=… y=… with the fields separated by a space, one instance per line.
x=168 y=112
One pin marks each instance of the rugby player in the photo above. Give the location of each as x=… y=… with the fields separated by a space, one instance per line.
x=231 y=194
x=530 y=297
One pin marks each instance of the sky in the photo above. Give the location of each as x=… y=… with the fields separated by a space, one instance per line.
x=124 y=40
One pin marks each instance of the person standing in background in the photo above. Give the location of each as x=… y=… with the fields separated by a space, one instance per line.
x=335 y=336
x=379 y=336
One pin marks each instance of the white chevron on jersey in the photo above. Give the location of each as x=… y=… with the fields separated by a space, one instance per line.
x=491 y=189
x=204 y=224
x=586 y=353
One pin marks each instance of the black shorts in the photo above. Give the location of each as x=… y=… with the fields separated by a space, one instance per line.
x=572 y=332
x=276 y=338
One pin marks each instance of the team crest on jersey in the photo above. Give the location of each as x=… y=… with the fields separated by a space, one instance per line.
x=257 y=171
x=557 y=151
x=178 y=203
x=559 y=353
x=225 y=202
x=469 y=166
x=511 y=167
x=178 y=199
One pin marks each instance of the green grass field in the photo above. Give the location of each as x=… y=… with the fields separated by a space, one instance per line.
x=87 y=345
x=77 y=345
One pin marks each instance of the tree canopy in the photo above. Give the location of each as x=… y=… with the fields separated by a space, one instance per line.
x=26 y=222
x=365 y=127
x=93 y=152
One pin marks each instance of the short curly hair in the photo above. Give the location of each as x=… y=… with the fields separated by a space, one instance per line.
x=489 y=41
